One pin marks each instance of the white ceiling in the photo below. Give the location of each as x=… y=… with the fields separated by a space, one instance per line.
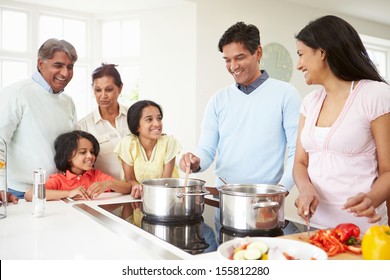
x=103 y=6
x=373 y=10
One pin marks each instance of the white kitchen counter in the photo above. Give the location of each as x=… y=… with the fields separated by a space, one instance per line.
x=68 y=233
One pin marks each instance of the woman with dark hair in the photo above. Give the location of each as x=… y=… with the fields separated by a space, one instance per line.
x=75 y=156
x=148 y=153
x=342 y=160
x=108 y=122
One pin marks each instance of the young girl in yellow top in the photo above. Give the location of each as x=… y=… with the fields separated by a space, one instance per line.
x=147 y=154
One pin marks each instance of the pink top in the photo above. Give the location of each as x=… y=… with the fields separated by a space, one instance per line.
x=346 y=163
x=70 y=181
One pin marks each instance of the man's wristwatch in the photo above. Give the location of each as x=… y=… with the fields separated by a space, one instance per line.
x=197 y=169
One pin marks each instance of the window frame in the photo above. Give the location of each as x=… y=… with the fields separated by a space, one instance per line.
x=34 y=12
x=93 y=49
x=378 y=44
x=121 y=60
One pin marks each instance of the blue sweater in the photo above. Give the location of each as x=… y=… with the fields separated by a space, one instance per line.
x=249 y=134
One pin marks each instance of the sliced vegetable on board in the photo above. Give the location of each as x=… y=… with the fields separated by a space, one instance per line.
x=342 y=238
x=250 y=251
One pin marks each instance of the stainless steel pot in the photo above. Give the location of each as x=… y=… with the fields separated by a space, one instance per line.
x=186 y=236
x=167 y=199
x=252 y=207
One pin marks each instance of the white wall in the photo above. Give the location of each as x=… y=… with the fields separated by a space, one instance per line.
x=168 y=72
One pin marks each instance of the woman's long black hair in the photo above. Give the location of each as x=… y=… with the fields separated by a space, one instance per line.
x=345 y=53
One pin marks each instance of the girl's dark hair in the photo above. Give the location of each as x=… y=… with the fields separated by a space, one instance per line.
x=135 y=112
x=248 y=35
x=107 y=70
x=67 y=143
x=345 y=52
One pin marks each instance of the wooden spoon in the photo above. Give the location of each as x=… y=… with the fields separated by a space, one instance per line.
x=187 y=174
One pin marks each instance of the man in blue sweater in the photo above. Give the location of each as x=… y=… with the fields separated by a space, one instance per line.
x=250 y=123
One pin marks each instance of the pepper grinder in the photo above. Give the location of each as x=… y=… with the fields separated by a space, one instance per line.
x=39 y=192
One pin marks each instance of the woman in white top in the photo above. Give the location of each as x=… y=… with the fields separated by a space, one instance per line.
x=108 y=123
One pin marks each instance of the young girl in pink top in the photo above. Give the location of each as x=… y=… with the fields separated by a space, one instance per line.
x=342 y=160
x=76 y=153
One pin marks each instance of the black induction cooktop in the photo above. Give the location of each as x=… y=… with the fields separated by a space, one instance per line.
x=194 y=236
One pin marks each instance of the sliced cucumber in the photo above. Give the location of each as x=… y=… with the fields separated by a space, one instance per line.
x=260 y=245
x=239 y=255
x=252 y=254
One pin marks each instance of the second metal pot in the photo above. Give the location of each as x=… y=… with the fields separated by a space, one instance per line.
x=252 y=207
x=168 y=199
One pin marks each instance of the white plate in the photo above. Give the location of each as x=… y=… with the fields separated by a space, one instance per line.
x=277 y=246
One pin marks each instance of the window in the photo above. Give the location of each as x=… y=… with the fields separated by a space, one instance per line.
x=121 y=38
x=379 y=58
x=12 y=70
x=121 y=46
x=18 y=54
x=379 y=52
x=130 y=77
x=72 y=30
x=14 y=22
x=80 y=91
x=15 y=61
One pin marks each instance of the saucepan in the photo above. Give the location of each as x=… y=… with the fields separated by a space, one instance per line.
x=249 y=207
x=168 y=199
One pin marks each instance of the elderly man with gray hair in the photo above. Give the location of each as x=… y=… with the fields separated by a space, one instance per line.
x=33 y=112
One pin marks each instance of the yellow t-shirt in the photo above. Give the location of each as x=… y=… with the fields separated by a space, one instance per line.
x=130 y=150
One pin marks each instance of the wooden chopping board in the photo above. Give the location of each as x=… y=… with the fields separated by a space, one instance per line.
x=303 y=237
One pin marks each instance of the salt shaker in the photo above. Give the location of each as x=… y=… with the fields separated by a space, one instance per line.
x=39 y=192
